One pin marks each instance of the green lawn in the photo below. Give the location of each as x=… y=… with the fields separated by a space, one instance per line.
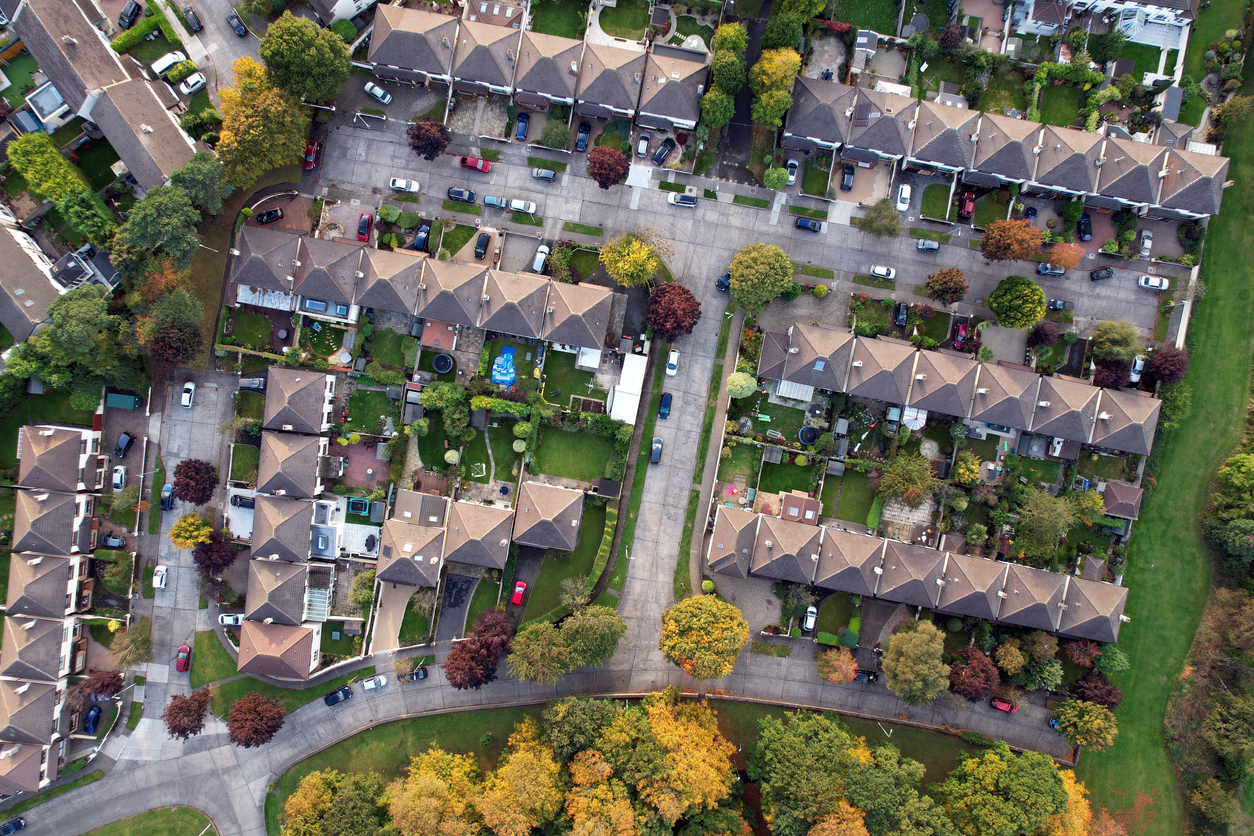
x=1191 y=114
x=229 y=692
x=1106 y=467
x=476 y=453
x=547 y=591
x=210 y=661
x=1209 y=27
x=251 y=330
x=95 y=160
x=501 y=440
x=154 y=500
x=166 y=821
x=251 y=405
x=483 y=599
x=585 y=261
x=936 y=326
x=1005 y=90
x=415 y=626
x=686 y=26
x=123 y=583
x=580 y=456
x=53 y=406
x=783 y=477
x=784 y=419
x=18 y=72
x=245 y=459
x=145 y=52
x=1146 y=58
x=1061 y=105
x=431 y=447
x=880 y=15
x=835 y=613
x=745 y=460
x=936 y=203
x=323 y=341
x=940 y=70
x=816 y=174
x=987 y=210
x=365 y=407
x=555 y=18
x=627 y=20
x=343 y=646
x=856 y=497
x=456 y=238
x=561 y=376
x=1038 y=470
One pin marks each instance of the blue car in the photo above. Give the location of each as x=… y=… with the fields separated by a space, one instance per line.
x=420 y=240
x=524 y=122
x=93 y=717
x=664 y=408
x=809 y=223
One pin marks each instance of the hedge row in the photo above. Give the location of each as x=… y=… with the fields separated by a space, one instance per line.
x=181 y=71
x=877 y=510
x=607 y=540
x=144 y=26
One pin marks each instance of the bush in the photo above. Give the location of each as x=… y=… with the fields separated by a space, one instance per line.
x=977 y=739
x=849 y=639
x=389 y=213
x=181 y=71
x=819 y=290
x=345 y=29
x=829 y=639
x=707 y=586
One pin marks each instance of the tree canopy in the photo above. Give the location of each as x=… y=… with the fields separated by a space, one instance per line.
x=946 y=286
x=1089 y=724
x=189 y=531
x=1010 y=240
x=608 y=166
x=254 y=720
x=427 y=137
x=909 y=479
x=999 y=793
x=630 y=259
x=1018 y=302
x=881 y=219
x=203 y=178
x=1116 y=341
x=673 y=311
x=308 y=62
x=263 y=126
x=759 y=273
x=912 y=662
x=703 y=635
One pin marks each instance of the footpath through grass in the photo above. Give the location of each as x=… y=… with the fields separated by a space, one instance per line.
x=1169 y=563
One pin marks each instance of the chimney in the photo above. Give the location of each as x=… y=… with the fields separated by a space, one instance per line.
x=857 y=364
x=68 y=41
x=487 y=299
x=879 y=570
x=146 y=129
x=421 y=286
x=1098 y=162
x=1001 y=594
x=981 y=391
x=700 y=89
x=233 y=252
x=769 y=544
x=1103 y=416
x=1036 y=150
x=920 y=377
x=793 y=350
x=446 y=44
x=509 y=53
x=574 y=68
x=1044 y=404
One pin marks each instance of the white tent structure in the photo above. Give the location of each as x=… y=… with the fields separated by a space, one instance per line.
x=624 y=399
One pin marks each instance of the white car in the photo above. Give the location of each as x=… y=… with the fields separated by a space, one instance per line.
x=234 y=619
x=374 y=682
x=525 y=206
x=167 y=62
x=1153 y=282
x=397 y=184
x=158 y=576
x=188 y=398
x=903 y=198
x=672 y=363
x=1138 y=367
x=882 y=272
x=1147 y=241
x=542 y=253
x=810 y=619
x=192 y=84
x=792 y=166
x=119 y=477
x=378 y=92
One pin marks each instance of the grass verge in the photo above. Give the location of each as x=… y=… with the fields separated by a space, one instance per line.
x=89 y=778
x=529 y=220
x=582 y=229
x=541 y=162
x=872 y=281
x=768 y=649
x=154 y=513
x=817 y=272
x=817 y=214
x=167 y=821
x=755 y=202
x=683 y=580
x=467 y=208
x=229 y=692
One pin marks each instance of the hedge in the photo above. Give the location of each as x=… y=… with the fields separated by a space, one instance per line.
x=500 y=405
x=144 y=26
x=607 y=540
x=977 y=739
x=828 y=639
x=181 y=71
x=873 y=517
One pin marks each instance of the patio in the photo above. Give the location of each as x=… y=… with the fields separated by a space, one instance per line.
x=362 y=466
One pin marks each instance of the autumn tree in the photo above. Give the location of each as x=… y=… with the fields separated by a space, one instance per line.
x=437 y=795
x=974 y=676
x=1002 y=794
x=575 y=723
x=886 y=787
x=630 y=260
x=1043 y=333
x=912 y=662
x=1067 y=256
x=1077 y=816
x=673 y=311
x=598 y=803
x=966 y=468
x=1111 y=374
x=847 y=820
x=759 y=273
x=185 y=715
x=1168 y=364
x=97 y=683
x=908 y=479
x=946 y=286
x=472 y=663
x=775 y=70
x=262 y=126
x=1044 y=519
x=132 y=646
x=574 y=589
x=1083 y=652
x=307 y=61
x=1010 y=240
x=525 y=790
x=703 y=635
x=427 y=137
x=195 y=480
x=1017 y=301
x=800 y=762
x=330 y=802
x=1116 y=341
x=836 y=665
x=769 y=107
x=1095 y=687
x=608 y=166
x=1086 y=724
x=881 y=219
x=1010 y=658
x=174 y=346
x=254 y=720
x=189 y=531
x=731 y=37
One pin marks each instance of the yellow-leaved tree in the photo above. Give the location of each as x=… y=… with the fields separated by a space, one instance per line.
x=262 y=126
x=525 y=791
x=190 y=531
x=436 y=796
x=630 y=260
x=703 y=635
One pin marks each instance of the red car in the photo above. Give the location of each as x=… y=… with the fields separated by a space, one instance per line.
x=1003 y=705
x=967 y=208
x=311 y=152
x=183 y=661
x=520 y=589
x=363 y=226
x=476 y=164
x=960 y=336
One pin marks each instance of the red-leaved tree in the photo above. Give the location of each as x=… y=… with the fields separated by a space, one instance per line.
x=428 y=137
x=1010 y=240
x=946 y=286
x=254 y=720
x=174 y=345
x=1082 y=651
x=608 y=166
x=195 y=481
x=673 y=311
x=975 y=676
x=213 y=558
x=1168 y=364
x=1095 y=687
x=103 y=684
x=1111 y=373
x=185 y=716
x=472 y=663
x=1043 y=333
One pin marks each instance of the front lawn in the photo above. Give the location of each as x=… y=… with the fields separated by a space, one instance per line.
x=580 y=455
x=118 y=582
x=52 y=407
x=627 y=20
x=167 y=821
x=484 y=598
x=245 y=459
x=210 y=661
x=552 y=17
x=879 y=15
x=366 y=410
x=584 y=261
x=783 y=477
x=936 y=202
x=936 y=327
x=1060 y=105
x=415 y=626
x=393 y=350
x=816 y=174
x=558 y=566
x=835 y=613
x=250 y=405
x=987 y=210
x=856 y=497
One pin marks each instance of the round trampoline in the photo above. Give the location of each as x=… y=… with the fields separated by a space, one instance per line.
x=442 y=364
x=808 y=435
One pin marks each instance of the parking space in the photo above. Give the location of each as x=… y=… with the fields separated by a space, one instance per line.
x=239 y=512
x=342 y=219
x=295 y=211
x=117 y=421
x=869 y=184
x=467 y=252
x=518 y=252
x=409 y=102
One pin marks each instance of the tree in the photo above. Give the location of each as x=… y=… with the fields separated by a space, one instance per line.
x=1229 y=729
x=84 y=212
x=1043 y=333
x=556 y=134
x=769 y=107
x=195 y=480
x=908 y=478
x=741 y=385
x=1067 y=256
x=775 y=178
x=975 y=677
x=1086 y=724
x=165 y=218
x=436 y=797
x=345 y=29
x=967 y=468
x=847 y=820
x=1168 y=364
x=175 y=345
x=1001 y=794
x=1214 y=801
x=472 y=663
x=1076 y=819
x=329 y=802
x=946 y=286
x=215 y=556
x=203 y=178
x=673 y=312
x=730 y=37
x=1017 y=301
x=881 y=220
x=47 y=171
x=717 y=108
x=308 y=62
x=608 y=166
x=775 y=70
x=263 y=127
x=538 y=653
x=575 y=590
x=1096 y=688
x=1082 y=651
x=77 y=319
x=1010 y=658
x=630 y=260
x=185 y=715
x=912 y=662
x=703 y=635
x=593 y=634
x=1113 y=661
x=575 y=723
x=1116 y=341
x=428 y=137
x=132 y=646
x=836 y=665
x=190 y=530
x=782 y=30
x=525 y=790
x=727 y=71
x=1232 y=111
x=361 y=595
x=100 y=683
x=254 y=720
x=125 y=500
x=1010 y=240
x=1111 y=374
x=885 y=786
x=759 y=273
x=801 y=763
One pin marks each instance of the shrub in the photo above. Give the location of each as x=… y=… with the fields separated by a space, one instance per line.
x=707 y=586
x=345 y=29
x=829 y=639
x=181 y=71
x=819 y=290
x=849 y=639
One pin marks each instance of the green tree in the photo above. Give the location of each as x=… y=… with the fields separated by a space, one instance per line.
x=361 y=595
x=556 y=134
x=782 y=30
x=1002 y=794
x=727 y=71
x=1229 y=729
x=912 y=662
x=885 y=787
x=717 y=108
x=769 y=107
x=1018 y=302
x=49 y=174
x=759 y=273
x=741 y=385
x=132 y=646
x=593 y=633
x=630 y=260
x=1116 y=342
x=204 y=180
x=263 y=127
x=800 y=9
x=539 y=653
x=801 y=763
x=730 y=37
x=308 y=62
x=703 y=635
x=1043 y=521
x=881 y=219
x=908 y=479
x=345 y=29
x=575 y=723
x=78 y=318
x=775 y=178
x=165 y=218
x=775 y=70
x=328 y=802
x=84 y=211
x=1086 y=723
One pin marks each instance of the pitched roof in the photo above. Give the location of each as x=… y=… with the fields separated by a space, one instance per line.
x=413 y=39
x=971 y=586
x=275 y=650
x=1005 y=396
x=44 y=522
x=49 y=458
x=674 y=79
x=21 y=768
x=143 y=132
x=37 y=586
x=389 y=280
x=818 y=355
x=611 y=76
x=1130 y=170
x=848 y=562
x=1126 y=421
x=731 y=542
x=450 y=291
x=1193 y=182
x=485 y=53
x=547 y=516
x=1065 y=408
x=266 y=257
x=26 y=286
x=942 y=134
x=944 y=382
x=32 y=649
x=288 y=464
x=513 y=303
x=69 y=49
x=27 y=711
x=1066 y=158
x=774 y=357
x=295 y=400
x=410 y=554
x=1049 y=12
x=1122 y=501
x=478 y=534
x=545 y=62
x=819 y=110
x=1031 y=597
x=786 y=550
x=881 y=370
x=910 y=573
x=327 y=271
x=420 y=508
x=1093 y=610
x=1005 y=146
x=577 y=314
x=881 y=122
x=276 y=592
x=281 y=528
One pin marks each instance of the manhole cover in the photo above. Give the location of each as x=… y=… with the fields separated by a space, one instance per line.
x=920 y=23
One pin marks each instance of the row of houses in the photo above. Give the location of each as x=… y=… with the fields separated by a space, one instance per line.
x=1170 y=179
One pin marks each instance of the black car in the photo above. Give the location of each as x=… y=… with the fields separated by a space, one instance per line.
x=903 y=310
x=865 y=676
x=664 y=150
x=1029 y=215
x=11 y=827
x=418 y=674
x=581 y=141
x=461 y=195
x=810 y=224
x=235 y=23
x=270 y=216
x=241 y=501
x=125 y=440
x=846 y=178
x=193 y=22
x=1085 y=227
x=481 y=246
x=723 y=282
x=93 y=717
x=420 y=240
x=655 y=452
x=1103 y=273
x=130 y=14
x=112 y=541
x=664 y=407
x=338 y=696
x=1060 y=305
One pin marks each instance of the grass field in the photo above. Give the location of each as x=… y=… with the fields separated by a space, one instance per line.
x=1004 y=90
x=476 y=453
x=1061 y=105
x=579 y=455
x=745 y=460
x=687 y=25
x=365 y=410
x=245 y=459
x=987 y=210
x=562 y=379
x=394 y=350
x=783 y=477
x=484 y=598
x=936 y=203
x=856 y=497
x=1145 y=56
x=210 y=661
x=167 y=821
x=251 y=405
x=556 y=18
x=627 y=20
x=501 y=439
x=548 y=588
x=1209 y=27
x=880 y=15
x=229 y=692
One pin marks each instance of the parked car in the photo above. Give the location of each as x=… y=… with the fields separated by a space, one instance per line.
x=723 y=282
x=91 y=720
x=311 y=154
x=664 y=150
x=232 y=20
x=865 y=676
x=233 y=619
x=167 y=62
x=475 y=164
x=1102 y=273
x=792 y=166
x=374 y=683
x=1153 y=282
x=927 y=245
x=119 y=477
x=183 y=659
x=418 y=674
x=811 y=618
x=398 y=184
x=655 y=451
x=1029 y=215
x=524 y=206
x=672 y=363
x=113 y=541
x=642 y=148
x=377 y=92
x=420 y=240
x=269 y=216
x=125 y=440
x=1047 y=269
x=903 y=198
x=901 y=313
x=194 y=83
x=12 y=826
x=581 y=139
x=664 y=406
x=678 y=199
x=363 y=226
x=542 y=254
x=481 y=245
x=1085 y=227
x=846 y=177
x=461 y=195
x=1060 y=305
x=338 y=696
x=241 y=501
x=193 y=22
x=966 y=207
x=882 y=272
x=129 y=14
x=547 y=175
x=1138 y=368
x=524 y=122
x=256 y=384
x=495 y=201
x=1147 y=241
x=1003 y=705
x=167 y=497
x=809 y=223
x=960 y=336
x=159 y=576
x=520 y=589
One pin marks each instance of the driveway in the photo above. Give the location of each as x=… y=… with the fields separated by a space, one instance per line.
x=393 y=602
x=457 y=592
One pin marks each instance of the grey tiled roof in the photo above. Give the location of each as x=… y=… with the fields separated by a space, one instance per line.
x=413 y=39
x=942 y=134
x=276 y=650
x=784 y=549
x=327 y=271
x=848 y=562
x=881 y=369
x=1122 y=501
x=1093 y=610
x=43 y=522
x=1005 y=146
x=1032 y=597
x=611 y=76
x=32 y=649
x=731 y=543
x=513 y=303
x=70 y=51
x=818 y=355
x=544 y=65
x=774 y=356
x=20 y=768
x=881 y=122
x=674 y=79
x=276 y=592
x=390 y=280
x=295 y=398
x=484 y=53
x=420 y=508
x=910 y=573
x=1067 y=158
x=26 y=288
x=49 y=458
x=971 y=586
x=281 y=528
x=1005 y=396
x=478 y=534
x=1130 y=170
x=288 y=464
x=266 y=257
x=26 y=711
x=819 y=110
x=143 y=132
x=410 y=554
x=1126 y=420
x=1193 y=183
x=944 y=382
x=450 y=291
x=1071 y=410
x=547 y=517
x=37 y=586
x=577 y=314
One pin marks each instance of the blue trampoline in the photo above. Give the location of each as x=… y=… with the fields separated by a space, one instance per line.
x=503 y=372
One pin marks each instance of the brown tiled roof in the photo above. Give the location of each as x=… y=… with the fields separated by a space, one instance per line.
x=786 y=550
x=577 y=314
x=390 y=280
x=26 y=288
x=1031 y=597
x=1092 y=610
x=1193 y=182
x=328 y=270
x=43 y=522
x=413 y=39
x=942 y=134
x=276 y=650
x=848 y=562
x=1005 y=146
x=295 y=400
x=674 y=79
x=910 y=573
x=478 y=534
x=420 y=508
x=31 y=649
x=410 y=554
x=971 y=586
x=288 y=464
x=143 y=132
x=547 y=517
x=611 y=76
x=881 y=122
x=276 y=592
x=821 y=356
x=1048 y=12
x=1130 y=170
x=513 y=303
x=281 y=528
x=544 y=65
x=26 y=711
x=796 y=506
x=881 y=370
x=70 y=51
x=819 y=110
x=1126 y=421
x=484 y=53
x=38 y=585
x=266 y=257
x=1071 y=410
x=450 y=291
x=49 y=458
x=1005 y=396
x=20 y=768
x=1122 y=501
x=1066 y=158
x=944 y=382
x=731 y=543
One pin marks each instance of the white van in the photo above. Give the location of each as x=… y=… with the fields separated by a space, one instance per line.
x=167 y=62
